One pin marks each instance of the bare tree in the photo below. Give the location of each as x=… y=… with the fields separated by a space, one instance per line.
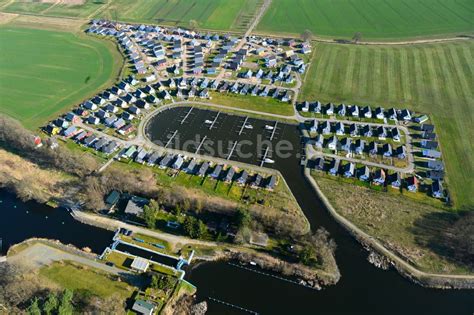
x=306 y=35
x=357 y=37
x=193 y=25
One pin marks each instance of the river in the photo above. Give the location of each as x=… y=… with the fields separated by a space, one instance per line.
x=363 y=289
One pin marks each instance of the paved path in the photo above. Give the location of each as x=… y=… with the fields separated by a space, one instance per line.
x=39 y=255
x=170 y=238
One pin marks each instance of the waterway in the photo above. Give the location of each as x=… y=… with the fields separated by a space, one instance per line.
x=363 y=289
x=20 y=221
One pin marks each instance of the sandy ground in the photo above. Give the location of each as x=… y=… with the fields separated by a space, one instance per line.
x=39 y=255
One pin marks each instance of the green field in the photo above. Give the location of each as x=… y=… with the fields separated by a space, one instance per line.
x=211 y=14
x=437 y=79
x=77 y=277
x=43 y=72
x=375 y=19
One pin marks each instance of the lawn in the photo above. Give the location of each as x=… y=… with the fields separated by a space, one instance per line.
x=432 y=78
x=76 y=277
x=210 y=14
x=412 y=229
x=256 y=103
x=375 y=19
x=44 y=72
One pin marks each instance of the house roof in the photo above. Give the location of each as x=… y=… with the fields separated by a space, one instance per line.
x=140 y=264
x=112 y=198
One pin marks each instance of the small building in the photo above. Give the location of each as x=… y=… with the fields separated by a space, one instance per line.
x=242 y=178
x=135 y=206
x=363 y=173
x=396 y=180
x=270 y=182
x=431 y=153
x=112 y=198
x=140 y=264
x=334 y=169
x=349 y=170
x=257 y=181
x=379 y=177
x=203 y=169
x=143 y=307
x=435 y=165
x=216 y=173
x=437 y=189
x=412 y=184
x=229 y=175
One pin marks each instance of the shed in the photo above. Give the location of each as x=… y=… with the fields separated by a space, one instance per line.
x=140 y=265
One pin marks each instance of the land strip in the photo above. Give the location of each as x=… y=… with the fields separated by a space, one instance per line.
x=405 y=268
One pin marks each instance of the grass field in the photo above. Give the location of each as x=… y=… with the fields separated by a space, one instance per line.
x=375 y=19
x=76 y=277
x=44 y=72
x=432 y=78
x=409 y=228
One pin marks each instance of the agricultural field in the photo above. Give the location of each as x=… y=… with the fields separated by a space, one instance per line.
x=68 y=8
x=62 y=70
x=373 y=18
x=436 y=79
x=209 y=14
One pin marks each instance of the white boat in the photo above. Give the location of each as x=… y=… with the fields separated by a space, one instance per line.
x=268 y=127
x=207 y=121
x=253 y=263
x=270 y=161
x=248 y=126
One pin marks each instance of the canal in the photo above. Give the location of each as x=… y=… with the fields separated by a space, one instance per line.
x=20 y=221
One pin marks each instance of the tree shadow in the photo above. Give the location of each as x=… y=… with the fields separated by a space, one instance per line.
x=447 y=234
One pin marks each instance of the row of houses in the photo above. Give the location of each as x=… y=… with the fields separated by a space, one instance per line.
x=360 y=146
x=179 y=162
x=200 y=87
x=354 y=130
x=355 y=111
x=378 y=177
x=304 y=47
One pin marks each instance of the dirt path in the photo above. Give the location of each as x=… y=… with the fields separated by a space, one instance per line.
x=39 y=255
x=407 y=42
x=170 y=238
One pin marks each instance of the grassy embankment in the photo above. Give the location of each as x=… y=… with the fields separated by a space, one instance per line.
x=46 y=72
x=255 y=103
x=431 y=78
x=376 y=20
x=409 y=228
x=15 y=169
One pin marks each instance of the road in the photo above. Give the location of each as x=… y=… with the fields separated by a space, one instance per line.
x=173 y=240
x=39 y=255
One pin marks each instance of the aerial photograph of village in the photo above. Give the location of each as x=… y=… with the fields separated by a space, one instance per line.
x=236 y=157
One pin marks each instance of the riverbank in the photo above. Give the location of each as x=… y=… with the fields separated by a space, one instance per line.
x=315 y=277
x=433 y=280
